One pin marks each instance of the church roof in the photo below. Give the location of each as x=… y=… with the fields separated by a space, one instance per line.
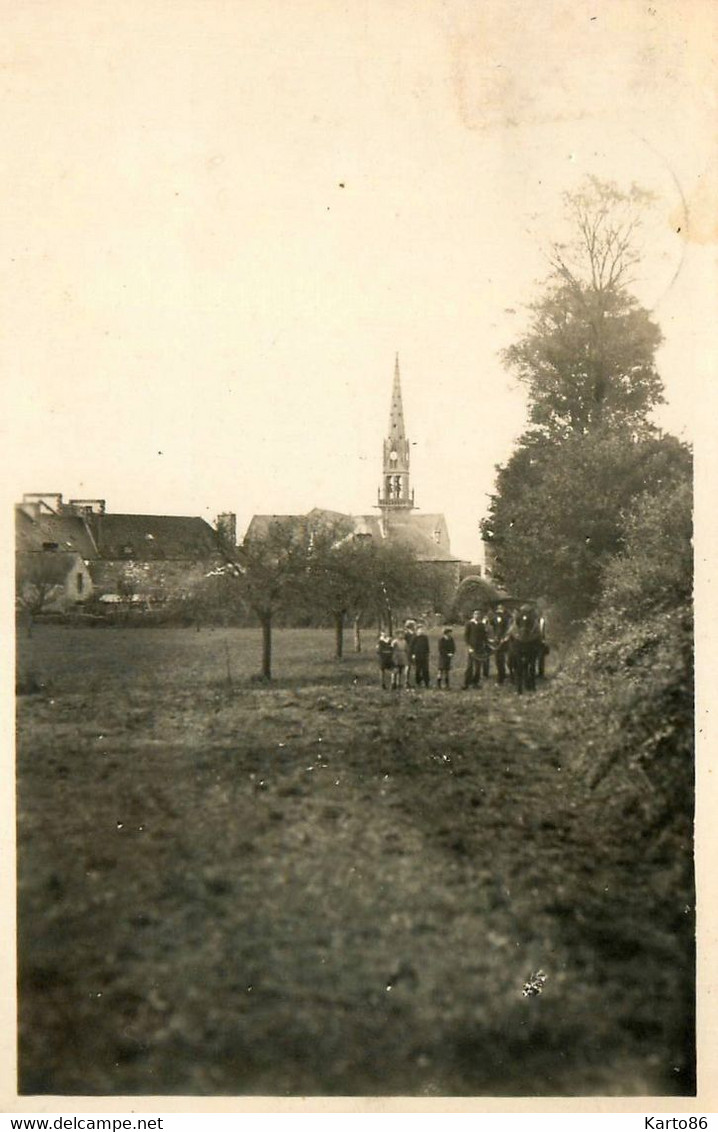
x=427 y=520
x=411 y=530
x=259 y=525
x=326 y=516
x=417 y=532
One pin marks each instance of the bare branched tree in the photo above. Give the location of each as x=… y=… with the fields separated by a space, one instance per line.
x=604 y=250
x=588 y=358
x=39 y=584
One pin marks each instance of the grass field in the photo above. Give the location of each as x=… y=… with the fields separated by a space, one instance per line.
x=317 y=887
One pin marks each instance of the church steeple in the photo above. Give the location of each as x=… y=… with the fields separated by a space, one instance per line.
x=394 y=494
x=396 y=413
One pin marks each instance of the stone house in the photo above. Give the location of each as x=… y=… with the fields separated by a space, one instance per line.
x=51 y=581
x=140 y=560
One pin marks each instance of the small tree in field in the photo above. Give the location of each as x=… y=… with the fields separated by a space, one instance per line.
x=356 y=577
x=271 y=571
x=39 y=584
x=216 y=598
x=401 y=580
x=338 y=581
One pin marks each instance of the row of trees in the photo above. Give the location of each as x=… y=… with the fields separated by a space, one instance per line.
x=317 y=570
x=304 y=571
x=563 y=501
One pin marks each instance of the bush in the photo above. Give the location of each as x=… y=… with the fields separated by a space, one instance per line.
x=631 y=672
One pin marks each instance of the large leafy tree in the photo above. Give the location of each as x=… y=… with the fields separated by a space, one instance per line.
x=588 y=361
x=588 y=358
x=558 y=513
x=654 y=571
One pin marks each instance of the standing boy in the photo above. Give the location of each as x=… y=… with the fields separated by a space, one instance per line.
x=447 y=648
x=420 y=656
x=385 y=652
x=400 y=659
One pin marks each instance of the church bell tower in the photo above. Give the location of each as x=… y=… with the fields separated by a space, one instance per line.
x=395 y=494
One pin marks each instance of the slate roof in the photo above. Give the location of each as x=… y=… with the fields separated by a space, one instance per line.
x=260 y=524
x=409 y=532
x=148 y=538
x=328 y=516
x=68 y=531
x=141 y=537
x=413 y=531
x=428 y=523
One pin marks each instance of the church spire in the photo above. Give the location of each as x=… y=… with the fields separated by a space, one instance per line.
x=394 y=494
x=396 y=413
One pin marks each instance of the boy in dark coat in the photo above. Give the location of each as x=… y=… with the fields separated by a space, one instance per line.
x=447 y=648
x=420 y=656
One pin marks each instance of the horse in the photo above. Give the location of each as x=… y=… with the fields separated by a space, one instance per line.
x=525 y=648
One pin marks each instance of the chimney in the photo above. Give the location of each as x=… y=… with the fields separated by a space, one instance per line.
x=226 y=525
x=46 y=500
x=86 y=507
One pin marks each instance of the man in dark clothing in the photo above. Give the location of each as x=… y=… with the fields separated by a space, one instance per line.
x=420 y=656
x=498 y=627
x=476 y=641
x=544 y=649
x=410 y=636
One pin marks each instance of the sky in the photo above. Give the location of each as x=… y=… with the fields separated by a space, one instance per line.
x=221 y=221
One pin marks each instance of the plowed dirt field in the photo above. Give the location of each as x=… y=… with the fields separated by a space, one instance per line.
x=320 y=887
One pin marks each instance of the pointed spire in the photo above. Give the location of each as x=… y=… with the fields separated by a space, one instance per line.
x=396 y=413
x=395 y=493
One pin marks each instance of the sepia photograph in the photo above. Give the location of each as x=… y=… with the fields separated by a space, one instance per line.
x=357 y=357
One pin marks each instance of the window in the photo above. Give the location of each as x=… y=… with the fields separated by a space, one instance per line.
x=80 y=581
x=50 y=546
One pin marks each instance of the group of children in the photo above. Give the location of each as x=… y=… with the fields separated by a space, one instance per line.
x=408 y=652
x=489 y=635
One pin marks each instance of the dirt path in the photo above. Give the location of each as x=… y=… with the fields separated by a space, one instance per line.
x=346 y=896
